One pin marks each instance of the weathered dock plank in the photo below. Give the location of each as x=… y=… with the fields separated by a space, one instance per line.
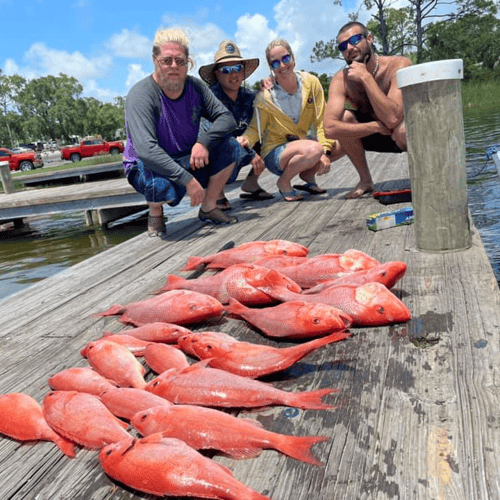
x=417 y=414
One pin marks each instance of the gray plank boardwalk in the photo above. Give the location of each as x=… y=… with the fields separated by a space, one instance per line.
x=81 y=196
x=418 y=408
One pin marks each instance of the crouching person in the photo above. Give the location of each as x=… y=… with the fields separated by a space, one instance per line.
x=166 y=156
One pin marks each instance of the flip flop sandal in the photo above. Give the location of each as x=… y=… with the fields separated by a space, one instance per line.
x=309 y=187
x=156 y=225
x=216 y=216
x=223 y=204
x=291 y=196
x=258 y=194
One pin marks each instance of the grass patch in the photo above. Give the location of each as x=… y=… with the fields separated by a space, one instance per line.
x=480 y=94
x=87 y=162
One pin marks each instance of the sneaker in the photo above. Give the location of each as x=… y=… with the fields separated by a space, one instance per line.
x=217 y=216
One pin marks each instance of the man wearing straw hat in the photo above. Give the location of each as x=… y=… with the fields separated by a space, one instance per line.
x=166 y=156
x=225 y=77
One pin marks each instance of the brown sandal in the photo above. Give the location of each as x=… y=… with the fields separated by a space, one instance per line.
x=156 y=225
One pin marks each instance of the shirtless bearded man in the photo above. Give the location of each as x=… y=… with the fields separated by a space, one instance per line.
x=368 y=84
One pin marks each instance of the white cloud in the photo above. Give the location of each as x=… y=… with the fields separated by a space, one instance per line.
x=44 y=61
x=131 y=45
x=135 y=73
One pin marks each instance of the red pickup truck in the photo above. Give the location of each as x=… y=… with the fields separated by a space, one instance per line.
x=21 y=161
x=91 y=147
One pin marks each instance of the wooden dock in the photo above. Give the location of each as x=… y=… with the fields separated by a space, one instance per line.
x=419 y=408
x=103 y=201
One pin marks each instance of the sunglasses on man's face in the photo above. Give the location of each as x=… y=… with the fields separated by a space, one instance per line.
x=285 y=60
x=236 y=68
x=353 y=40
x=169 y=61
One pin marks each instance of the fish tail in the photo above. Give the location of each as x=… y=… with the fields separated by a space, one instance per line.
x=67 y=447
x=235 y=307
x=329 y=339
x=112 y=311
x=311 y=400
x=193 y=263
x=300 y=447
x=173 y=283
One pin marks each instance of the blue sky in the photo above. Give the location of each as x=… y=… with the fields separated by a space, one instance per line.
x=106 y=45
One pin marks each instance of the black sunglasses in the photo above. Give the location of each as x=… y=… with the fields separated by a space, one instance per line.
x=353 y=40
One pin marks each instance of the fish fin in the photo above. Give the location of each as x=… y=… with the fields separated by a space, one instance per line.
x=193 y=263
x=240 y=454
x=311 y=400
x=235 y=307
x=200 y=365
x=112 y=311
x=300 y=447
x=66 y=446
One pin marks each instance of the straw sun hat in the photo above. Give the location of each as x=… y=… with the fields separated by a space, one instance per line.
x=228 y=52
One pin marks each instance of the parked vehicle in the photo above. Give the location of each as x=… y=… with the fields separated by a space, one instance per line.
x=91 y=147
x=20 y=149
x=21 y=161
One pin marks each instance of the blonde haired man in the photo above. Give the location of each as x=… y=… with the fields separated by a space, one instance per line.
x=166 y=156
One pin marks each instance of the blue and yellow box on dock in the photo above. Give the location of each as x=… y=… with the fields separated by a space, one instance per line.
x=384 y=220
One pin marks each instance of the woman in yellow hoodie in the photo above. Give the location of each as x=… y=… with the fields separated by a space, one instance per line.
x=282 y=118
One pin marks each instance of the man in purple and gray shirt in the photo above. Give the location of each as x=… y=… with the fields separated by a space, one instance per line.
x=166 y=156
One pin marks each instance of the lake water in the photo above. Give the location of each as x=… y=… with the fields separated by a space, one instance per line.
x=62 y=240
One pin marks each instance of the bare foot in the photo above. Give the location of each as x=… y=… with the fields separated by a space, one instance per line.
x=360 y=190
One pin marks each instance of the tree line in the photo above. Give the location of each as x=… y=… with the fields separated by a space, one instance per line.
x=52 y=108
x=428 y=30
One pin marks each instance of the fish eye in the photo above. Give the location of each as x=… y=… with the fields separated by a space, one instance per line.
x=155 y=383
x=192 y=307
x=381 y=310
x=108 y=452
x=316 y=321
x=143 y=417
x=209 y=347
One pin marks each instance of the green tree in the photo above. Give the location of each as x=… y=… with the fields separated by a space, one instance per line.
x=50 y=102
x=10 y=87
x=472 y=38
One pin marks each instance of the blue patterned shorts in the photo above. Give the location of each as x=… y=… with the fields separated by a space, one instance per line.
x=159 y=189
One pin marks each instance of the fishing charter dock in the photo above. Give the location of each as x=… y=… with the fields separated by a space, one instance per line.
x=418 y=412
x=102 y=200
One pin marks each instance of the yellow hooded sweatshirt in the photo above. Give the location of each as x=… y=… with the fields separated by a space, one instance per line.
x=271 y=126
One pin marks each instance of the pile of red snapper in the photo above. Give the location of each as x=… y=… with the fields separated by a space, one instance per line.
x=177 y=413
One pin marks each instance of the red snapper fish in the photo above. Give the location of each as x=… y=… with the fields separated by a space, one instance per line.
x=83 y=418
x=325 y=267
x=388 y=274
x=125 y=402
x=278 y=261
x=247 y=253
x=246 y=359
x=293 y=320
x=21 y=418
x=200 y=385
x=154 y=332
x=210 y=429
x=177 y=306
x=117 y=363
x=371 y=304
x=134 y=345
x=238 y=281
x=81 y=380
x=169 y=467
x=162 y=357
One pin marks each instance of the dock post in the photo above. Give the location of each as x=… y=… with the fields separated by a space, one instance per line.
x=5 y=175
x=432 y=101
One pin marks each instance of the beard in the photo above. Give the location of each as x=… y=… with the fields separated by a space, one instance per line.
x=362 y=57
x=173 y=86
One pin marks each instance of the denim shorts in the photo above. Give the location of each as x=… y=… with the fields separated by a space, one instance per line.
x=243 y=157
x=272 y=160
x=157 y=188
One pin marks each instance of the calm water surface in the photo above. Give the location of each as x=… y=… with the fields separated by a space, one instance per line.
x=62 y=240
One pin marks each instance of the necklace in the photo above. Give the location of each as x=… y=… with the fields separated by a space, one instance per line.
x=374 y=72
